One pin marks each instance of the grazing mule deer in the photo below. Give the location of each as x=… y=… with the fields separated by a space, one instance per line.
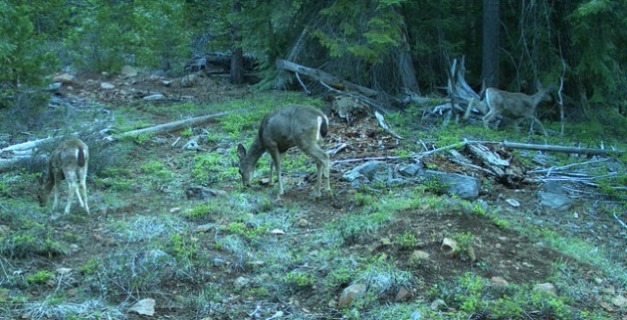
x=515 y=105
x=291 y=126
x=68 y=161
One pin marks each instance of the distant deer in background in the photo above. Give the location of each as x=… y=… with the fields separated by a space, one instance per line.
x=68 y=161
x=291 y=126
x=515 y=105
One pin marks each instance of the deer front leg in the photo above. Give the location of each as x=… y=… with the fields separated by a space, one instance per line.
x=535 y=119
x=487 y=118
x=276 y=159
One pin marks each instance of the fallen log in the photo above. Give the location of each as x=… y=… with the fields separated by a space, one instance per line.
x=554 y=148
x=23 y=151
x=166 y=127
x=324 y=77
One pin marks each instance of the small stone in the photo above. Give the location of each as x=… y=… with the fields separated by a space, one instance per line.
x=619 y=301
x=128 y=71
x=513 y=202
x=546 y=287
x=204 y=228
x=145 y=307
x=499 y=282
x=386 y=241
x=302 y=223
x=217 y=262
x=351 y=294
x=241 y=282
x=64 y=78
x=608 y=307
x=154 y=97
x=107 y=85
x=4 y=230
x=403 y=294
x=277 y=232
x=435 y=305
x=63 y=270
x=419 y=255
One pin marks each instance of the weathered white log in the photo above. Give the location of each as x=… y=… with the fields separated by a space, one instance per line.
x=167 y=127
x=28 y=145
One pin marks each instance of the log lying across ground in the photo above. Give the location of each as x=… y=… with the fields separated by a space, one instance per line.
x=323 y=77
x=15 y=154
x=167 y=127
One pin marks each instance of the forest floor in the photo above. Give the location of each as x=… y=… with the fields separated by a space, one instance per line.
x=241 y=254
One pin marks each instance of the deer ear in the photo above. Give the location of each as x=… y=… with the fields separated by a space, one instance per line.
x=241 y=151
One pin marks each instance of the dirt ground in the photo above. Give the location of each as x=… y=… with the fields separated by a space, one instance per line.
x=499 y=252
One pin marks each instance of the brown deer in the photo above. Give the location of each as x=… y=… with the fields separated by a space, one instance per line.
x=291 y=126
x=68 y=161
x=515 y=105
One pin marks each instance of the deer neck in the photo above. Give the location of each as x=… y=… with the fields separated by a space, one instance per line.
x=538 y=97
x=255 y=152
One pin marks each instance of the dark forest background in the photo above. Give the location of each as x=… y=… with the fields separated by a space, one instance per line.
x=392 y=46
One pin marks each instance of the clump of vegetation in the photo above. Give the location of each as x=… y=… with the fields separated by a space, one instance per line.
x=299 y=279
x=40 y=277
x=357 y=227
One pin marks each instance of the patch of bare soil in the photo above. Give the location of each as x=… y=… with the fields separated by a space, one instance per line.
x=498 y=252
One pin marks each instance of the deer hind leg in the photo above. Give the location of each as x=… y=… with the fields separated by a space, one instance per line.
x=56 y=188
x=322 y=163
x=272 y=168
x=82 y=173
x=70 y=176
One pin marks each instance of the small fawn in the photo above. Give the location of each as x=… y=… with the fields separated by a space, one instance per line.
x=291 y=126
x=68 y=161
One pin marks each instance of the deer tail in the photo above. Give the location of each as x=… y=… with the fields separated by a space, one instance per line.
x=324 y=125
x=81 y=157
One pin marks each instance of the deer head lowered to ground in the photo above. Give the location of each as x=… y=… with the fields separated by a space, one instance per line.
x=68 y=161
x=515 y=105
x=291 y=126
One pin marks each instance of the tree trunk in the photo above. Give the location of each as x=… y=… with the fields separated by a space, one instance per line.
x=237 y=60
x=490 y=62
x=405 y=66
x=574 y=86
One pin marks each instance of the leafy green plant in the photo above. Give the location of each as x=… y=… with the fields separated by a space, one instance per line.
x=435 y=185
x=4 y=189
x=184 y=248
x=299 y=278
x=363 y=199
x=187 y=132
x=406 y=240
x=241 y=229
x=338 y=277
x=212 y=167
x=40 y=277
x=203 y=210
x=156 y=169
